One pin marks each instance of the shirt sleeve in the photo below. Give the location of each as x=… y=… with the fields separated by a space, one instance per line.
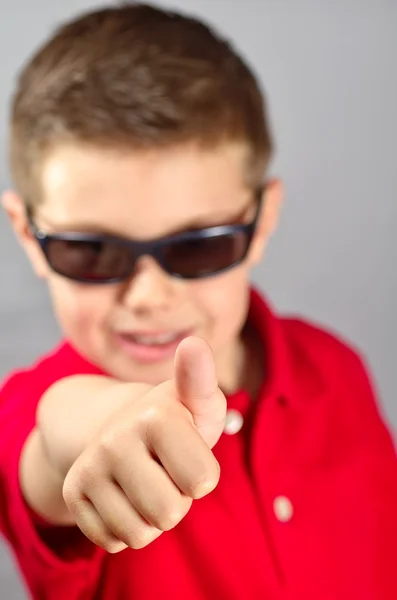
x=366 y=411
x=377 y=445
x=356 y=507
x=48 y=557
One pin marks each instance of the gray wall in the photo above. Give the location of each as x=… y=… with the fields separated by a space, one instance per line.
x=330 y=71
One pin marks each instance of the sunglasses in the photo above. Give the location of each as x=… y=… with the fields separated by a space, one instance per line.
x=98 y=259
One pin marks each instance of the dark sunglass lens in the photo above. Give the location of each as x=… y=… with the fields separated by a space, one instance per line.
x=88 y=260
x=206 y=256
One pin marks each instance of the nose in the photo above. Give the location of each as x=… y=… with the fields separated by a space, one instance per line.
x=150 y=289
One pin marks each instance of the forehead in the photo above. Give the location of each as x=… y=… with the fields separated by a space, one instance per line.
x=142 y=193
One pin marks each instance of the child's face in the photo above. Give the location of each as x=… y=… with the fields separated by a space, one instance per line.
x=143 y=196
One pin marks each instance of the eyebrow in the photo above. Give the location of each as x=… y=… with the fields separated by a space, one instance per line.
x=203 y=222
x=213 y=220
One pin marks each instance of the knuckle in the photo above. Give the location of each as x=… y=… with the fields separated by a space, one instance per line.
x=88 y=474
x=99 y=538
x=126 y=533
x=97 y=534
x=152 y=415
x=81 y=479
x=110 y=545
x=172 y=519
x=168 y=512
x=168 y=519
x=157 y=411
x=71 y=495
x=108 y=445
x=138 y=539
x=74 y=503
x=157 y=422
x=204 y=483
x=114 y=443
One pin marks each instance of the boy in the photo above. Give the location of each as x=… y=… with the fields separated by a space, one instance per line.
x=184 y=441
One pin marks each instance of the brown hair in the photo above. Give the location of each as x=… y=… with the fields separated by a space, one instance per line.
x=134 y=76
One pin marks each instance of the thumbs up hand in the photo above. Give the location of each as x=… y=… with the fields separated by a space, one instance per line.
x=139 y=474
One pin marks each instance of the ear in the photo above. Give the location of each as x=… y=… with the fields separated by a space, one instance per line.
x=272 y=200
x=16 y=212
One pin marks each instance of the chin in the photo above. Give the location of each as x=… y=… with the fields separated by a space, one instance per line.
x=152 y=374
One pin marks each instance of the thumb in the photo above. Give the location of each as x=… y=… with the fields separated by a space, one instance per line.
x=197 y=388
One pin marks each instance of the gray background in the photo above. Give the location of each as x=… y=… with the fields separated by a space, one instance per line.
x=330 y=71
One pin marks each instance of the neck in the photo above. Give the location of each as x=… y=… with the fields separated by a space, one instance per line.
x=241 y=366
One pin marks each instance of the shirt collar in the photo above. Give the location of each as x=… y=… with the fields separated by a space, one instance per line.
x=289 y=374
x=277 y=378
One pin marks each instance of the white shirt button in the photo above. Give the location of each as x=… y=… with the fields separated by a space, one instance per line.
x=283 y=509
x=234 y=422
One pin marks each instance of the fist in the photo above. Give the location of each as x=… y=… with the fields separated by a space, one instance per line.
x=140 y=473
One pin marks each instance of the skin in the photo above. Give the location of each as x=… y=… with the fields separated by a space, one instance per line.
x=172 y=408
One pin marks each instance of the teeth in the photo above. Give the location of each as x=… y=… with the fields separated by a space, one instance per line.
x=147 y=340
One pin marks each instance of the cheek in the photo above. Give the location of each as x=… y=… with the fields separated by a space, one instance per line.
x=224 y=302
x=80 y=308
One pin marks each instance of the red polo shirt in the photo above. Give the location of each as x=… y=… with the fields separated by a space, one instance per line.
x=306 y=508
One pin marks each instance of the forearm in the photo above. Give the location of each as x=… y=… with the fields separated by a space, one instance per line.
x=41 y=485
x=68 y=416
x=70 y=413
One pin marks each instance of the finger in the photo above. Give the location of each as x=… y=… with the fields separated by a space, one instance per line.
x=92 y=526
x=185 y=456
x=120 y=517
x=197 y=387
x=150 y=489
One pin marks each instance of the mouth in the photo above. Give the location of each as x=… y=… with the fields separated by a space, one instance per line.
x=150 y=347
